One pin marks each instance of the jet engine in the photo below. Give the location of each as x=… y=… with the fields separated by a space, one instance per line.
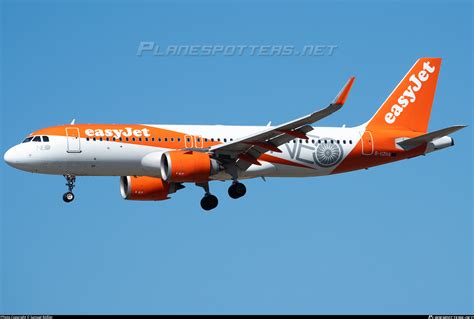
x=146 y=188
x=151 y=163
x=187 y=166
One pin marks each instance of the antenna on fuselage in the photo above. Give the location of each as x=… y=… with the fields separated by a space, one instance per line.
x=73 y=121
x=269 y=123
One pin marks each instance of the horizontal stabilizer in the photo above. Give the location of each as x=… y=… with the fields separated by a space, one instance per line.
x=411 y=143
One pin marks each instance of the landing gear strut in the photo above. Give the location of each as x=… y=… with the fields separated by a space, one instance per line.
x=70 y=183
x=209 y=201
x=237 y=190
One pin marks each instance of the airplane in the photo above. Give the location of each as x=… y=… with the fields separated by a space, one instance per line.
x=154 y=161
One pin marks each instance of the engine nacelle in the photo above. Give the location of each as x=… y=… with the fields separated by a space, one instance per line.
x=151 y=163
x=146 y=188
x=187 y=166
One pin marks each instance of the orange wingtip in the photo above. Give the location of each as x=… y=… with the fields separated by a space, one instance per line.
x=342 y=96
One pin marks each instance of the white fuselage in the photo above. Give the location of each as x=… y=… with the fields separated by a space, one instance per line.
x=84 y=156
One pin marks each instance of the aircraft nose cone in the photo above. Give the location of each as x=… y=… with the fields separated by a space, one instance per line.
x=9 y=157
x=12 y=157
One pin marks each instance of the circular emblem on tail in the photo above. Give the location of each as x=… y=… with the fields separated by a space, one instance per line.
x=328 y=153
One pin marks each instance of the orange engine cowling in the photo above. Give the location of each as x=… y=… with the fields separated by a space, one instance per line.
x=146 y=188
x=187 y=166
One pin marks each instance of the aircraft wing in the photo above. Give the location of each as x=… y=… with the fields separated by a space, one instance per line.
x=246 y=151
x=411 y=143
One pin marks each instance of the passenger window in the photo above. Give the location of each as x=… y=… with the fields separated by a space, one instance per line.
x=37 y=139
x=344 y=142
x=225 y=140
x=212 y=139
x=337 y=141
x=87 y=138
x=26 y=140
x=133 y=139
x=139 y=139
x=152 y=139
x=205 y=140
x=146 y=139
x=350 y=141
x=107 y=139
x=172 y=139
x=199 y=139
x=332 y=141
x=179 y=139
x=218 y=139
x=159 y=139
x=120 y=139
x=166 y=139
x=94 y=139
x=188 y=139
x=45 y=139
x=126 y=139
x=231 y=139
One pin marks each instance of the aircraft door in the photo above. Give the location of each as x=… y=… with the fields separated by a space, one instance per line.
x=367 y=143
x=188 y=141
x=73 y=140
x=198 y=142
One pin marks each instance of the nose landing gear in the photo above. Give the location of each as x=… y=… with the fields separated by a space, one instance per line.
x=70 y=183
x=68 y=197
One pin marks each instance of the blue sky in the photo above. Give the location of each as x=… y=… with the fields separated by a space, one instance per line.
x=392 y=239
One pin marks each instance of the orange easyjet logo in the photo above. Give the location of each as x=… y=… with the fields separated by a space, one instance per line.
x=117 y=133
x=409 y=96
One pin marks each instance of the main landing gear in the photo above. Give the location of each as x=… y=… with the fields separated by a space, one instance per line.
x=237 y=190
x=209 y=201
x=70 y=183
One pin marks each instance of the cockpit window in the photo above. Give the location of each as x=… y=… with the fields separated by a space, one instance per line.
x=37 y=139
x=45 y=139
x=26 y=140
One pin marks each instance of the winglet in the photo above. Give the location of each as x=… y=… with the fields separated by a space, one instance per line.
x=342 y=96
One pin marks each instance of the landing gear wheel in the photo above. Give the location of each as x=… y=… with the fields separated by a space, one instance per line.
x=237 y=190
x=209 y=202
x=70 y=183
x=68 y=197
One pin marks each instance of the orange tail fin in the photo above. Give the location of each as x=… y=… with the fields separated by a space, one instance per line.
x=409 y=106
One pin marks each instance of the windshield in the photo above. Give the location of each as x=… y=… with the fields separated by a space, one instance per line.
x=26 y=140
